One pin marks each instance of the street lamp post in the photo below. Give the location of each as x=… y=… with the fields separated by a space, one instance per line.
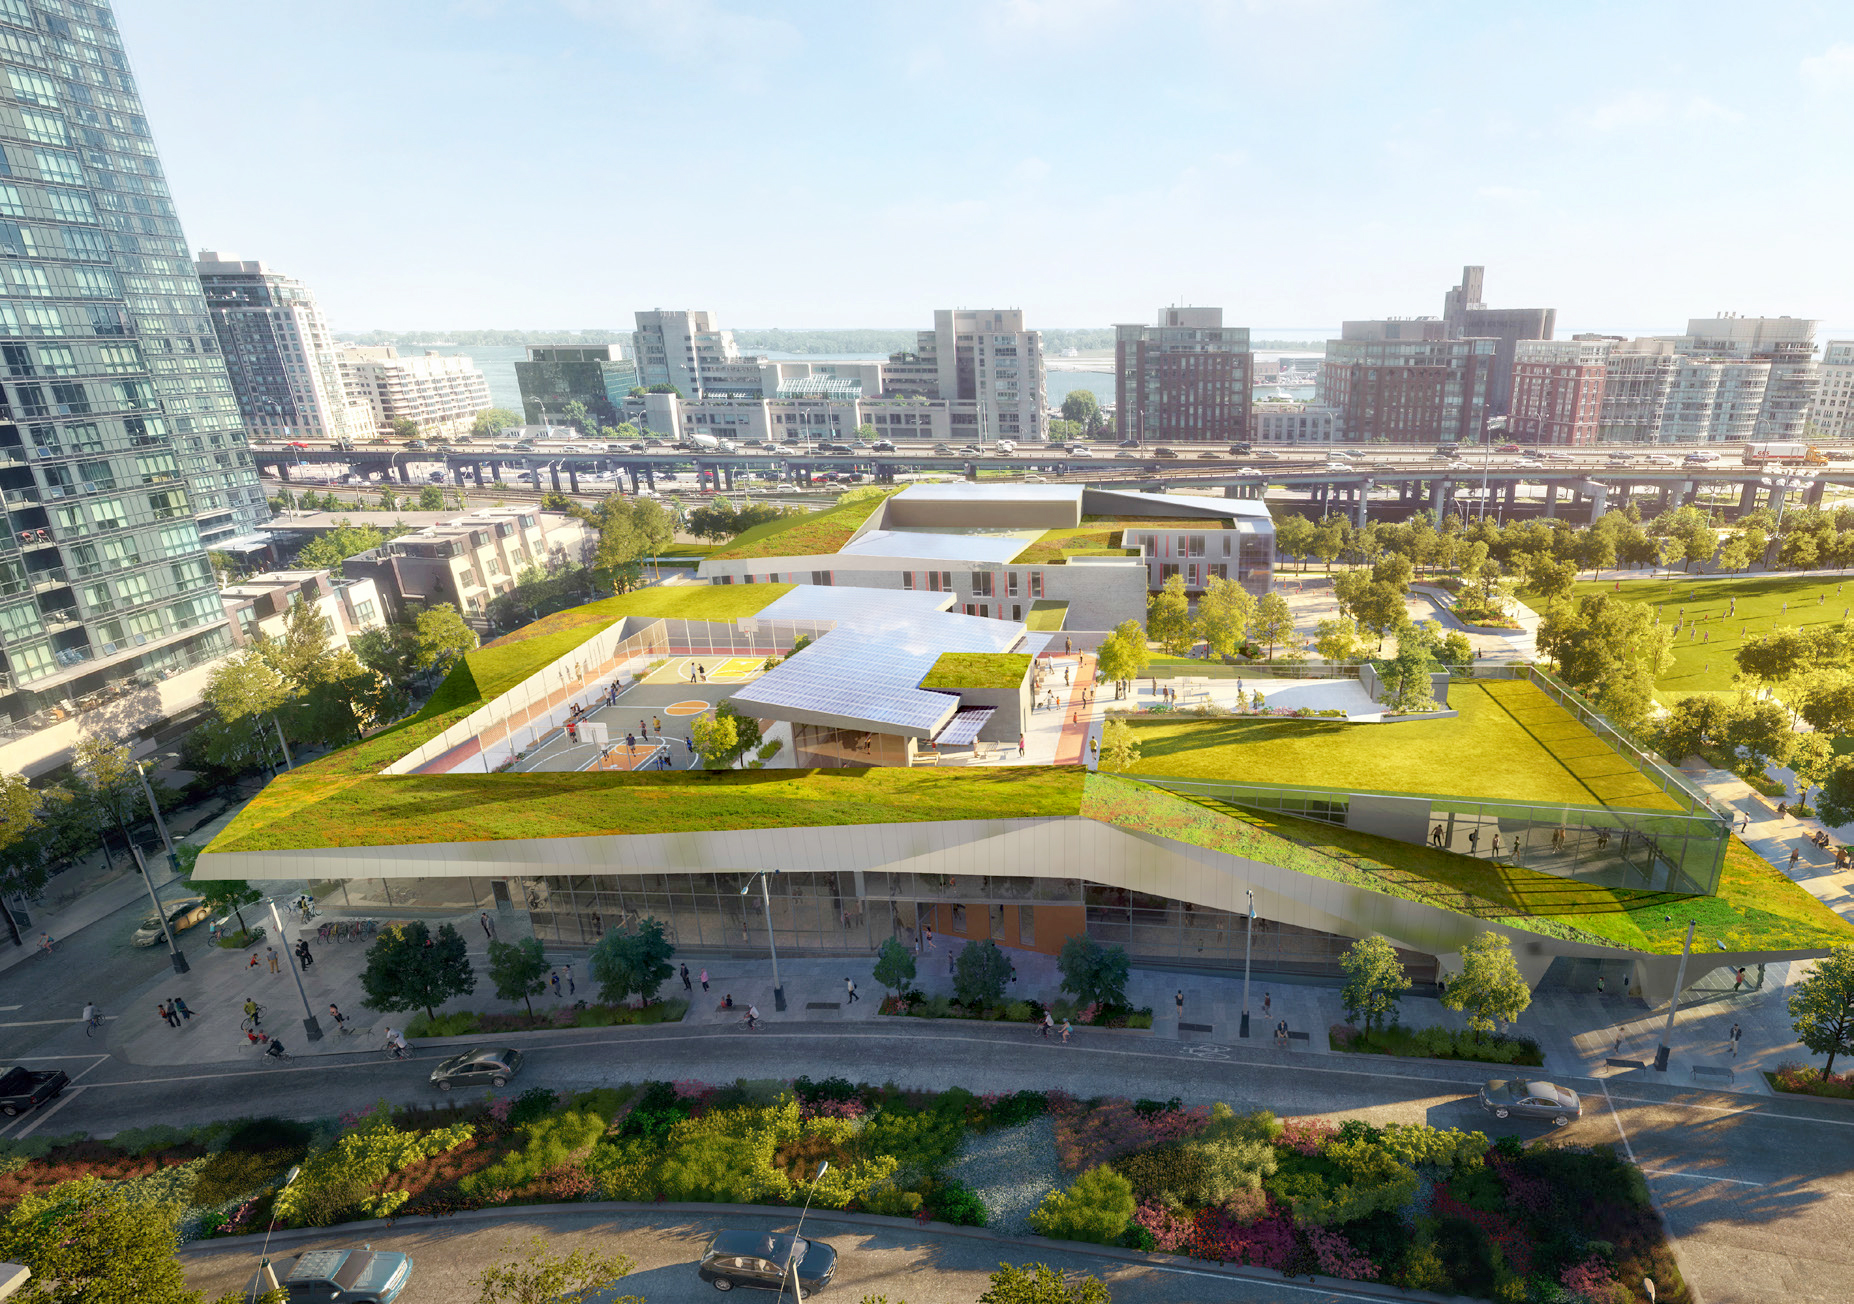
x=167 y=839
x=173 y=947
x=766 y=901
x=798 y=1289
x=311 y=1029
x=1248 y=937
x=1665 y=1049
x=266 y=1279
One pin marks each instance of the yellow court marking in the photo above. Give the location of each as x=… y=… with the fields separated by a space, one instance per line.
x=693 y=706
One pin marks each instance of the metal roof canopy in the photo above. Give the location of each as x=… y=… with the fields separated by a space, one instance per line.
x=963 y=729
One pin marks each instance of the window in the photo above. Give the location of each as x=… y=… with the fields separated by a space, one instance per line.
x=820 y=577
x=1191 y=576
x=32 y=662
x=1011 y=577
x=981 y=584
x=1036 y=584
x=134 y=588
x=1017 y=612
x=907 y=580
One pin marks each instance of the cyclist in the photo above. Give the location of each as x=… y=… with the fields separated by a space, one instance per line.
x=396 y=1043
x=275 y=1049
x=253 y=1011
x=92 y=1019
x=753 y=1016
x=45 y=943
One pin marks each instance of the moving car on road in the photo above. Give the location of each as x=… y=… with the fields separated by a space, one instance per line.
x=1502 y=1097
x=180 y=914
x=363 y=1276
x=478 y=1067
x=23 y=1090
x=758 y=1259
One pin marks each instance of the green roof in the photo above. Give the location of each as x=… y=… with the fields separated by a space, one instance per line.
x=814 y=535
x=978 y=670
x=299 y=810
x=491 y=670
x=1090 y=539
x=1047 y=615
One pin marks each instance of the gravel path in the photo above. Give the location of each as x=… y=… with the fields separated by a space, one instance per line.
x=1012 y=1169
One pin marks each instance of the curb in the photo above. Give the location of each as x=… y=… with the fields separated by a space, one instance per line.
x=1206 y=1267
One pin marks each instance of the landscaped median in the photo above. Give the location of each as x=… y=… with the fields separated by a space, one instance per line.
x=1436 y=1043
x=1405 y=1205
x=465 y=1023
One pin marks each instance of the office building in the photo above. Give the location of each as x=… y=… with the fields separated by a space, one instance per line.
x=122 y=453
x=596 y=375
x=1557 y=391
x=1187 y=379
x=1293 y=423
x=1404 y=381
x=284 y=365
x=1465 y=317
x=439 y=393
x=1831 y=416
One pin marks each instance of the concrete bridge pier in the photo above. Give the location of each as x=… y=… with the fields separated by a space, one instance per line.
x=1512 y=495
x=1599 y=501
x=632 y=472
x=572 y=478
x=405 y=472
x=495 y=471
x=1438 y=498
x=283 y=472
x=1747 y=497
x=1551 y=498
x=477 y=468
x=1361 y=509
x=1812 y=496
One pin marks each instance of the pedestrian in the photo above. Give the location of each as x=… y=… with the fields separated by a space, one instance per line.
x=270 y=954
x=254 y=961
x=1738 y=979
x=1267 y=1001
x=1048 y=1023
x=849 y=986
x=302 y=952
x=1474 y=838
x=554 y=978
x=571 y=989
x=929 y=936
x=630 y=743
x=1735 y=1034
x=704 y=982
x=167 y=1014
x=656 y=726
x=1496 y=844
x=687 y=986
x=1068 y=644
x=1599 y=984
x=181 y=1007
x=1094 y=747
x=1020 y=746
x=572 y=732
x=691 y=741
x=1795 y=855
x=1181 y=1003
x=753 y=1016
x=1435 y=836
x=489 y=929
x=1065 y=1028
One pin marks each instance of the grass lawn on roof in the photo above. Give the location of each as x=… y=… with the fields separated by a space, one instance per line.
x=810 y=535
x=978 y=670
x=1055 y=547
x=491 y=670
x=1047 y=615
x=1509 y=743
x=1705 y=651
x=301 y=810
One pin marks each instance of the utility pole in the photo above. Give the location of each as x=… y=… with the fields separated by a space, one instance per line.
x=766 y=901
x=167 y=839
x=1665 y=1049
x=1248 y=938
x=311 y=1029
x=173 y=947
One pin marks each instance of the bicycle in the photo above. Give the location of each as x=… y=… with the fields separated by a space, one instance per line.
x=280 y=1056
x=395 y=1051
x=253 y=1022
x=94 y=1022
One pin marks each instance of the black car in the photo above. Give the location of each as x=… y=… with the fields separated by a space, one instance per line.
x=364 y=1276
x=758 y=1259
x=477 y=1067
x=1128 y=443
x=1163 y=452
x=1242 y=450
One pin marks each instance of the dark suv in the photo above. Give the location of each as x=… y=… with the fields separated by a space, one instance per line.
x=757 y=1259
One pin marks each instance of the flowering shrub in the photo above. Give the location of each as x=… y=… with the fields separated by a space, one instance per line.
x=348 y=1173
x=1170 y=1229
x=1266 y=1242
x=1113 y=1128
x=1501 y=1230
x=499 y=1107
x=1809 y=1081
x=1592 y=1280
x=1529 y=1194
x=1338 y=1258
x=1306 y=1135
x=692 y=1089
x=831 y=1109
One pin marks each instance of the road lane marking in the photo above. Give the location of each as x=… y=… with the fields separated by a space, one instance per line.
x=43 y=1116
x=8 y=1009
x=1699 y=1177
x=1618 y=1117
x=47 y=1023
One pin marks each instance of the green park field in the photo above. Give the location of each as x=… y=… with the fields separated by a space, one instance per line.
x=1705 y=652
x=1510 y=742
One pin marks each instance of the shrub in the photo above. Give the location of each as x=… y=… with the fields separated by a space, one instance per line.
x=549 y=1144
x=1114 y=1127
x=956 y=1203
x=603 y=1101
x=531 y=1106
x=1017 y=1109
x=892 y=1202
x=1372 y=1180
x=624 y=1169
x=1096 y=1208
x=1418 y=1143
x=655 y=1113
x=1232 y=1156
x=922 y=1142
x=1168 y=1228
x=1019 y=1012
x=1269 y=1241
x=259 y=1135
x=234 y=1173
x=152 y=1139
x=832 y=1089
x=460 y=1023
x=980 y=973
x=344 y=1176
x=1337 y=1258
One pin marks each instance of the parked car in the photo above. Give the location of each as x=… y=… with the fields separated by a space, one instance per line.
x=477 y=1067
x=180 y=914
x=1502 y=1097
x=758 y=1260
x=22 y=1090
x=363 y=1276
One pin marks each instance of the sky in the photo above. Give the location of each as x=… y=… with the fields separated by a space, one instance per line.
x=560 y=164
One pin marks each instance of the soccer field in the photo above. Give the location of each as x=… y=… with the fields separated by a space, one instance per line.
x=1705 y=649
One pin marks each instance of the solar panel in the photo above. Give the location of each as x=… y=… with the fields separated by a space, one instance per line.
x=964 y=728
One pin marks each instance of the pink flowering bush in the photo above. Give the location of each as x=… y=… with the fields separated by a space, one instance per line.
x=1501 y=1230
x=499 y=1107
x=853 y=1108
x=1337 y=1256
x=1306 y=1135
x=1592 y=1280
x=1268 y=1242
x=1173 y=1231
x=1529 y=1194
x=693 y=1089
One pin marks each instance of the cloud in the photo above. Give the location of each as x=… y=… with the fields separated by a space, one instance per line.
x=704 y=33
x=1031 y=170
x=1832 y=70
x=1646 y=108
x=1507 y=194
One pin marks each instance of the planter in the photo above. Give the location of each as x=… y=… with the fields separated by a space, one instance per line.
x=1839 y=1087
x=1348 y=1040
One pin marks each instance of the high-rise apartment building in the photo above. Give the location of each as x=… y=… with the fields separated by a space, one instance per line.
x=1404 y=381
x=1465 y=317
x=1832 y=414
x=554 y=375
x=284 y=365
x=1187 y=379
x=1787 y=344
x=1557 y=391
x=122 y=455
x=440 y=393
x=1727 y=380
x=687 y=350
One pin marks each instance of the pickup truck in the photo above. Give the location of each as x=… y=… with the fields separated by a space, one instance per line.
x=22 y=1090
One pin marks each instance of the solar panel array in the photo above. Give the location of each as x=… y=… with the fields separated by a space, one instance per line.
x=965 y=726
x=984 y=548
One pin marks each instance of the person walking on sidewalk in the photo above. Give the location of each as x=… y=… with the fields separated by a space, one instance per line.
x=571 y=989
x=1599 y=984
x=489 y=929
x=554 y=978
x=181 y=1006
x=302 y=952
x=687 y=986
x=166 y=1013
x=270 y=954
x=849 y=986
x=1267 y=1001
x=1181 y=1005
x=704 y=981
x=1735 y=1034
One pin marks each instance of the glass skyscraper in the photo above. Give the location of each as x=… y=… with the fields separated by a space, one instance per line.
x=122 y=455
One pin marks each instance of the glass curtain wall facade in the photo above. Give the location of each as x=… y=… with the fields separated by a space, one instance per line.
x=122 y=456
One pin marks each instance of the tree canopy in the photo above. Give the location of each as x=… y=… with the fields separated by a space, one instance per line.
x=411 y=968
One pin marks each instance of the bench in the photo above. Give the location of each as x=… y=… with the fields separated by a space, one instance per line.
x=1195 y=1027
x=1298 y=1036
x=823 y=1005
x=1615 y=1063
x=1713 y=1071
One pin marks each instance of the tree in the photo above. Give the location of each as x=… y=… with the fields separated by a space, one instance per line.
x=716 y=740
x=491 y=422
x=232 y=894
x=1457 y=649
x=328 y=551
x=1274 y=622
x=1093 y=974
x=1735 y=555
x=1337 y=639
x=1772 y=658
x=1294 y=537
x=405 y=428
x=1761 y=729
x=1407 y=685
x=632 y=962
x=441 y=637
x=1692 y=724
x=1812 y=757
x=1119 y=746
x=1551 y=580
x=1835 y=803
x=1374 y=981
x=519 y=970
x=1609 y=649
x=1038 y=1283
x=544 y=1277
x=410 y=969
x=979 y=974
x=867 y=434
x=22 y=844
x=1168 y=617
x=577 y=415
x=1822 y=1007
x=106 y=778
x=1225 y=611
x=1828 y=704
x=894 y=967
x=431 y=499
x=746 y=731
x=1329 y=541
x=1489 y=989
x=1123 y=655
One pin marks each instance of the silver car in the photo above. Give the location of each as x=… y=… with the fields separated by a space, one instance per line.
x=1503 y=1097
x=180 y=914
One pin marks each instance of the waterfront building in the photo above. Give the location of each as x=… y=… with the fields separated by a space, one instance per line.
x=440 y=393
x=284 y=365
x=1187 y=379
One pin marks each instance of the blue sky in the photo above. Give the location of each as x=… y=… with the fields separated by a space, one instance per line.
x=561 y=163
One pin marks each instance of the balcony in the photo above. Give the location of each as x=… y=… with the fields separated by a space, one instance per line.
x=51 y=578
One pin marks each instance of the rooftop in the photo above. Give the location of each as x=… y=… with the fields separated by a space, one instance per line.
x=810 y=535
x=935 y=545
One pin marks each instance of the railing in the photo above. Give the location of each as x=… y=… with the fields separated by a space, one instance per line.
x=49 y=578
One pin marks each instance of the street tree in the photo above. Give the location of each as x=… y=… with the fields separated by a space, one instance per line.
x=22 y=845
x=716 y=740
x=431 y=499
x=1828 y=703
x=1822 y=1007
x=1092 y=973
x=1038 y=1283
x=1375 y=981
x=980 y=973
x=519 y=970
x=1835 y=802
x=104 y=775
x=219 y=894
x=545 y=1276
x=1225 y=611
x=894 y=966
x=1812 y=758
x=1123 y=655
x=1336 y=639
x=411 y=968
x=1119 y=746
x=1168 y=617
x=442 y=638
x=1274 y=622
x=1489 y=988
x=632 y=962
x=1735 y=554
